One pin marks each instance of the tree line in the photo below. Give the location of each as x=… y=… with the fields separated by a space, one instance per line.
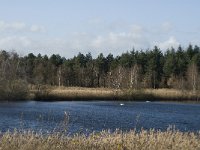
x=152 y=68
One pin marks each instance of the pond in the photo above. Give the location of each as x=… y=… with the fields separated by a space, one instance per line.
x=98 y=115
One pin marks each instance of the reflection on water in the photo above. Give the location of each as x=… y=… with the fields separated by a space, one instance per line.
x=97 y=116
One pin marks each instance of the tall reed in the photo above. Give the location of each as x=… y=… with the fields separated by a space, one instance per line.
x=133 y=140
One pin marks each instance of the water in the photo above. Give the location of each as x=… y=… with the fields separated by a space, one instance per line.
x=97 y=116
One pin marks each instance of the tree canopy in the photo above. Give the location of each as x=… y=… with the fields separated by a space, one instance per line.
x=152 y=68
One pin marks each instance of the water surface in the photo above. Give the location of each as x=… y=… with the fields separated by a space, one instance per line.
x=97 y=116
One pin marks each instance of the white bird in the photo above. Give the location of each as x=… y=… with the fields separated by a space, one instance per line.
x=65 y=113
x=121 y=104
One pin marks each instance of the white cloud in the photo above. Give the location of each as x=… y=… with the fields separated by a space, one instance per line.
x=14 y=42
x=95 y=21
x=109 y=41
x=112 y=42
x=137 y=29
x=25 y=45
x=171 y=42
x=118 y=42
x=4 y=26
x=36 y=28
x=115 y=43
x=97 y=42
x=166 y=27
x=19 y=26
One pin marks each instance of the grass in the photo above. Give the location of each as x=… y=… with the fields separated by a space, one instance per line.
x=79 y=93
x=143 y=140
x=173 y=94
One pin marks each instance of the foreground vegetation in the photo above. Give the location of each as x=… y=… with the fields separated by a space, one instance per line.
x=143 y=140
x=80 y=93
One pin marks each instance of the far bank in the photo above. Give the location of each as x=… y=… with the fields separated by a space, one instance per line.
x=80 y=93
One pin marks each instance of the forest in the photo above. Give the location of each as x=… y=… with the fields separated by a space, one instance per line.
x=136 y=69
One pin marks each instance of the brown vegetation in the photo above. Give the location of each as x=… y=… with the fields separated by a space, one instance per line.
x=79 y=93
x=143 y=140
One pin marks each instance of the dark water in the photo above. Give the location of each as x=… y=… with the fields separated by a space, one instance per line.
x=97 y=116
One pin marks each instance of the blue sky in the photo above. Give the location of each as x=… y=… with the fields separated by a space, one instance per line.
x=67 y=27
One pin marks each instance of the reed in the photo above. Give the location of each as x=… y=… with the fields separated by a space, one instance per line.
x=79 y=93
x=143 y=140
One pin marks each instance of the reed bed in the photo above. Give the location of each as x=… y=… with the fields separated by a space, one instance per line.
x=132 y=140
x=84 y=92
x=173 y=94
x=79 y=93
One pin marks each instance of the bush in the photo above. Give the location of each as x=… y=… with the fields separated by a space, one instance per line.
x=13 y=90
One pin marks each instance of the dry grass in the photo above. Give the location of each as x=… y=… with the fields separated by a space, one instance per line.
x=80 y=93
x=83 y=92
x=143 y=140
x=173 y=94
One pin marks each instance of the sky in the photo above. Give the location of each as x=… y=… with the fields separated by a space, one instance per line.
x=67 y=27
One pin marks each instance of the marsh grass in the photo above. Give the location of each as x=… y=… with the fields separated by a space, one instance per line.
x=133 y=140
x=79 y=93
x=173 y=94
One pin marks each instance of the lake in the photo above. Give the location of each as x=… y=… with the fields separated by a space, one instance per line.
x=98 y=115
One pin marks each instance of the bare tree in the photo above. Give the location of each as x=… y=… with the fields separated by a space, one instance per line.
x=135 y=77
x=192 y=76
x=59 y=76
